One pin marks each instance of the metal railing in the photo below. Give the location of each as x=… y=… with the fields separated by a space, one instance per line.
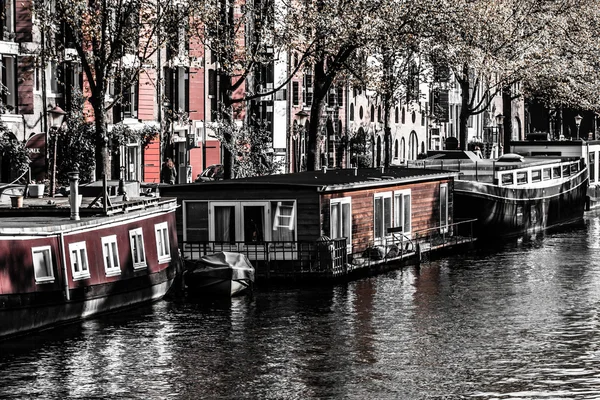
x=279 y=258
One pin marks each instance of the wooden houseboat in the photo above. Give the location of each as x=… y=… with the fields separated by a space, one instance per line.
x=61 y=263
x=330 y=223
x=514 y=195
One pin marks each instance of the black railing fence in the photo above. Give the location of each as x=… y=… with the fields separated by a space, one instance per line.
x=332 y=257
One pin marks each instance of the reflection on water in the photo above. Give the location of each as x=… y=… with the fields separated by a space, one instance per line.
x=518 y=321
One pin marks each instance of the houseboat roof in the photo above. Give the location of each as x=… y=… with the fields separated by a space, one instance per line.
x=333 y=179
x=47 y=216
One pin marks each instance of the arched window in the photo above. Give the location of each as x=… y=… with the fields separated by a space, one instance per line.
x=372 y=113
x=397 y=117
x=379 y=114
x=360 y=113
x=396 y=148
x=403 y=148
x=351 y=111
x=403 y=115
x=422 y=147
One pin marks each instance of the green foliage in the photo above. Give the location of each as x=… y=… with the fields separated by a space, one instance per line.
x=14 y=151
x=74 y=144
x=122 y=135
x=251 y=145
x=360 y=150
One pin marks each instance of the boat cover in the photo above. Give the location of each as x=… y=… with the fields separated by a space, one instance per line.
x=219 y=265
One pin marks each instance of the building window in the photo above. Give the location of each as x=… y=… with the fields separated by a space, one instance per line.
x=42 y=264
x=138 y=254
x=195 y=221
x=360 y=113
x=340 y=222
x=372 y=113
x=110 y=252
x=351 y=111
x=162 y=242
x=402 y=211
x=403 y=115
x=444 y=207
x=592 y=166
x=382 y=215
x=283 y=221
x=397 y=116
x=79 y=260
x=295 y=93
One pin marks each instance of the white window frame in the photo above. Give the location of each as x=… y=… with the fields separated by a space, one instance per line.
x=339 y=202
x=163 y=245
x=108 y=253
x=266 y=218
x=81 y=258
x=399 y=221
x=385 y=234
x=444 y=207
x=47 y=251
x=133 y=235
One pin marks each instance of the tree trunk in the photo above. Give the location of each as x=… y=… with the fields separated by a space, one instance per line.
x=463 y=123
x=321 y=84
x=507 y=122
x=102 y=154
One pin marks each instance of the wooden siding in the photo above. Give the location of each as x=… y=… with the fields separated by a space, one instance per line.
x=25 y=86
x=307 y=202
x=425 y=209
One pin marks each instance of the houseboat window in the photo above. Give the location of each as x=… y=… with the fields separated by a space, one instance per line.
x=574 y=168
x=592 y=166
x=138 y=253
x=556 y=172
x=283 y=214
x=536 y=175
x=546 y=174
x=79 y=260
x=341 y=219
x=110 y=252
x=521 y=177
x=402 y=211
x=566 y=171
x=507 y=179
x=382 y=214
x=42 y=264
x=254 y=223
x=195 y=221
x=224 y=223
x=444 y=207
x=162 y=242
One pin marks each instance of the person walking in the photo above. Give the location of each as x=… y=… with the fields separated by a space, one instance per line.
x=168 y=172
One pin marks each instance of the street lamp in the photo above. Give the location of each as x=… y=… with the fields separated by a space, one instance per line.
x=57 y=116
x=578 y=120
x=500 y=125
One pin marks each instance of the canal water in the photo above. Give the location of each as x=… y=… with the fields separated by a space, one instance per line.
x=519 y=321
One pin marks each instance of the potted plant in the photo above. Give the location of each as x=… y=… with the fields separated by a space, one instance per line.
x=36 y=189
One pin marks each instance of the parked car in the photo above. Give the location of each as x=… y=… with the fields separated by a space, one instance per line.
x=211 y=173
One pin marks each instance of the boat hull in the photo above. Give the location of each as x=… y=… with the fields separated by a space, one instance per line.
x=218 y=287
x=53 y=310
x=505 y=212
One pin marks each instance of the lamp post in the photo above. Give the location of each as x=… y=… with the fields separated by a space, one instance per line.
x=57 y=116
x=500 y=125
x=301 y=118
x=578 y=119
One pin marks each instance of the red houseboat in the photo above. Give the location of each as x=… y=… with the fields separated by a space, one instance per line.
x=328 y=223
x=56 y=269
